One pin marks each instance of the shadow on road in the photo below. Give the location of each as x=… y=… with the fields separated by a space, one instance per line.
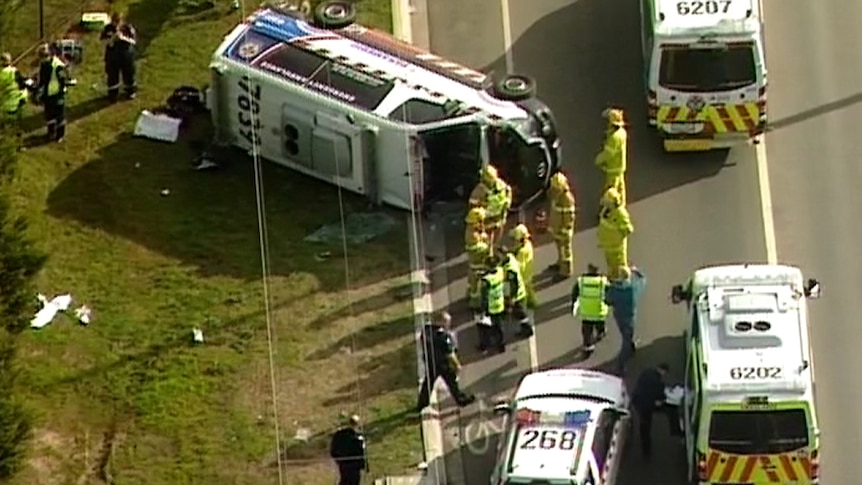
x=595 y=48
x=815 y=112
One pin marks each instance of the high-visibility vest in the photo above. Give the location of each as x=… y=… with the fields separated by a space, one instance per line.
x=512 y=266
x=496 y=294
x=54 y=86
x=10 y=94
x=478 y=253
x=524 y=254
x=591 y=297
x=497 y=199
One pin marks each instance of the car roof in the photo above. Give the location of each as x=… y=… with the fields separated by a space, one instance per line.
x=572 y=382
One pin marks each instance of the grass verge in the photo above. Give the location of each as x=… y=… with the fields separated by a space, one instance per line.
x=130 y=399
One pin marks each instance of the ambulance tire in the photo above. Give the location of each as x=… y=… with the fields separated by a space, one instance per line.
x=515 y=87
x=334 y=14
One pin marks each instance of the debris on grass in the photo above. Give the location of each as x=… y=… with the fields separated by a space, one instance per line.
x=159 y=127
x=49 y=309
x=83 y=314
x=357 y=228
x=198 y=335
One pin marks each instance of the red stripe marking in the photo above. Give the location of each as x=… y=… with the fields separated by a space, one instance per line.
x=749 y=468
x=672 y=112
x=692 y=115
x=725 y=117
x=788 y=468
x=806 y=465
x=766 y=463
x=743 y=113
x=711 y=463
x=728 y=469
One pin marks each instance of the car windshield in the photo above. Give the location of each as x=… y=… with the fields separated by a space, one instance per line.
x=707 y=70
x=524 y=165
x=758 y=432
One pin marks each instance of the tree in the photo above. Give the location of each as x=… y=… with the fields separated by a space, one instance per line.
x=19 y=264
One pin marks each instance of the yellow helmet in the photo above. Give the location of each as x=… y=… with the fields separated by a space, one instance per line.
x=612 y=197
x=489 y=173
x=614 y=116
x=475 y=216
x=559 y=180
x=520 y=232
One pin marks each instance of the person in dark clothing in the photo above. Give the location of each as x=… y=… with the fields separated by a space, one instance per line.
x=51 y=92
x=649 y=397
x=623 y=295
x=120 y=40
x=347 y=448
x=441 y=360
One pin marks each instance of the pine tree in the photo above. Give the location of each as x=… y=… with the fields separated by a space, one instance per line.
x=19 y=264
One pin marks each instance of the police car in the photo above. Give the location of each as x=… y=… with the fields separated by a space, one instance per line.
x=564 y=426
x=360 y=109
x=749 y=411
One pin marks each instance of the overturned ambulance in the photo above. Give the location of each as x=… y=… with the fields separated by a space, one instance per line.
x=359 y=109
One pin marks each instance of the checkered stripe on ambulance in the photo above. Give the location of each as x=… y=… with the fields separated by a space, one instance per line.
x=705 y=72
x=749 y=414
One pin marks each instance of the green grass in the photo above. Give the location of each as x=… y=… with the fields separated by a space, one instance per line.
x=131 y=399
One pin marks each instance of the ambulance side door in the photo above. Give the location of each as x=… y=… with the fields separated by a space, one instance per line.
x=691 y=403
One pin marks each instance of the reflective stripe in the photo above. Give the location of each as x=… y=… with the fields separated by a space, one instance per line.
x=720 y=118
x=54 y=86
x=591 y=297
x=787 y=467
x=496 y=295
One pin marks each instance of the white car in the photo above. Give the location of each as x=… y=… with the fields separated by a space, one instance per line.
x=564 y=426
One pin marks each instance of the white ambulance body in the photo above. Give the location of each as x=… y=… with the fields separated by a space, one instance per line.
x=705 y=72
x=359 y=109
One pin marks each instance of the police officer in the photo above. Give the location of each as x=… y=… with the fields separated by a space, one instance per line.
x=490 y=325
x=121 y=39
x=441 y=360
x=12 y=91
x=623 y=295
x=562 y=224
x=51 y=92
x=478 y=248
x=524 y=254
x=612 y=159
x=347 y=448
x=588 y=304
x=649 y=396
x=516 y=294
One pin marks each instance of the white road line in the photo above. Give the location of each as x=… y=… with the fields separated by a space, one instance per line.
x=766 y=203
x=507 y=36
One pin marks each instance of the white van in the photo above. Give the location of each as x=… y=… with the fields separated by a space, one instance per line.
x=357 y=108
x=704 y=71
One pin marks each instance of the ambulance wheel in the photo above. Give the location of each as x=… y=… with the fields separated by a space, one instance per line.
x=515 y=87
x=334 y=14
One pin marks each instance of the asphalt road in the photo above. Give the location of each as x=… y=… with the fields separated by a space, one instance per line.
x=814 y=160
x=688 y=210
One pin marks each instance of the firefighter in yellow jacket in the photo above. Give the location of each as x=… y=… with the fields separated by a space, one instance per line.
x=478 y=249
x=561 y=223
x=523 y=251
x=494 y=195
x=615 y=226
x=612 y=159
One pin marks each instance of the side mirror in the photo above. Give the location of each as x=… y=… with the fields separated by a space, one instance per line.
x=677 y=294
x=623 y=412
x=812 y=289
x=502 y=409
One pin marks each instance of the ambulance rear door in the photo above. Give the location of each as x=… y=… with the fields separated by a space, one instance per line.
x=692 y=400
x=709 y=87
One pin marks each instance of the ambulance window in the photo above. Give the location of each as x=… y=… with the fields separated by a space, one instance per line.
x=418 y=112
x=707 y=70
x=758 y=432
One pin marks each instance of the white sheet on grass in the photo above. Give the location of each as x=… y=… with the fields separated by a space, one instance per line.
x=157 y=127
